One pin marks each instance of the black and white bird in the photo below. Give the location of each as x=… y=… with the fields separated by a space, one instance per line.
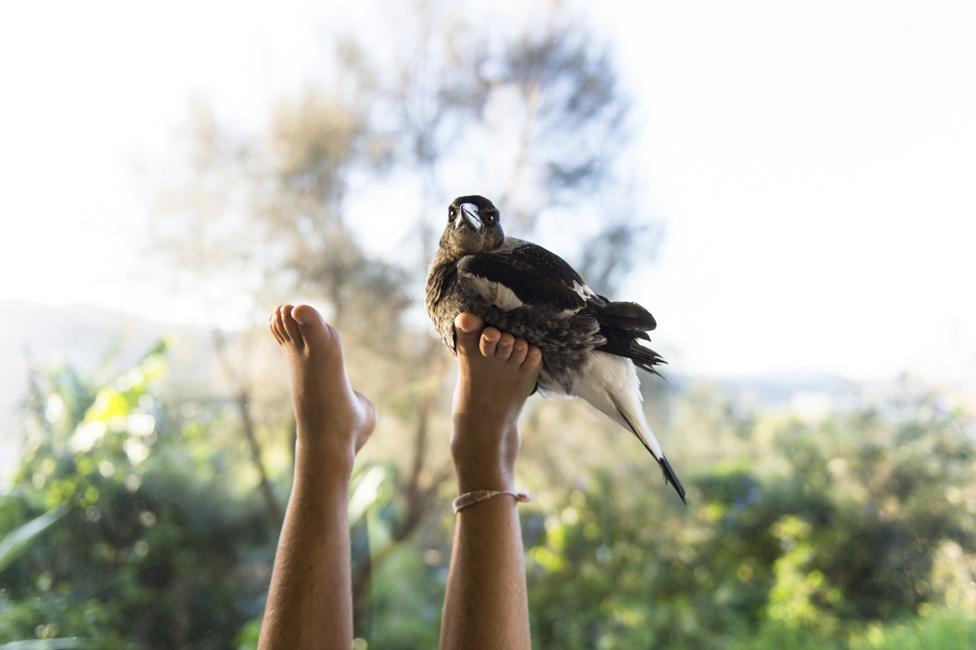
x=590 y=344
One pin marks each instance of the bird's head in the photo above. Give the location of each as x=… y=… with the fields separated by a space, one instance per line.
x=473 y=226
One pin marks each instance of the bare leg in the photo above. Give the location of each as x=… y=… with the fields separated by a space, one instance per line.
x=486 y=605
x=310 y=599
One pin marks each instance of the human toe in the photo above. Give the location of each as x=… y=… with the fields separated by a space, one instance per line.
x=467 y=328
x=306 y=314
x=504 y=350
x=533 y=359
x=291 y=325
x=279 y=324
x=489 y=341
x=519 y=349
x=313 y=327
x=272 y=325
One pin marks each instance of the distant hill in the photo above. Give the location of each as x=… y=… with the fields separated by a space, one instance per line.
x=102 y=343
x=801 y=390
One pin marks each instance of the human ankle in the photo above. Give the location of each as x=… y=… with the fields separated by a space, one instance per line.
x=324 y=458
x=485 y=459
x=486 y=476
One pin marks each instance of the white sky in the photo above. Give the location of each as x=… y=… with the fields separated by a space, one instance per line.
x=814 y=163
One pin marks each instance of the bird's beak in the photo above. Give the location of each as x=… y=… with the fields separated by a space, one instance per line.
x=469 y=214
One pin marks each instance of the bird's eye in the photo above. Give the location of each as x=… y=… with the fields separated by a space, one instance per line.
x=451 y=213
x=490 y=219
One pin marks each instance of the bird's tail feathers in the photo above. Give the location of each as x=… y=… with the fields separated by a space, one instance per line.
x=621 y=325
x=658 y=454
x=610 y=384
x=672 y=478
x=627 y=316
x=644 y=358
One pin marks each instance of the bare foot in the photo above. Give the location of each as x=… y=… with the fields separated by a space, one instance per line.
x=497 y=373
x=334 y=421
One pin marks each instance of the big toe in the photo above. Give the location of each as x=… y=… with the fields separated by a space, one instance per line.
x=468 y=328
x=315 y=330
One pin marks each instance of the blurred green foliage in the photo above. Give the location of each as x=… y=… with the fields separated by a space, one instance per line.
x=821 y=530
x=125 y=527
x=153 y=550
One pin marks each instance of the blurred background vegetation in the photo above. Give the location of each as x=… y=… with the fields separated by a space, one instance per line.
x=143 y=507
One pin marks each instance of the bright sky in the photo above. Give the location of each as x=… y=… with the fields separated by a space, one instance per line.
x=814 y=163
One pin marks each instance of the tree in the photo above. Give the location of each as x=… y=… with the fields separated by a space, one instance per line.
x=535 y=118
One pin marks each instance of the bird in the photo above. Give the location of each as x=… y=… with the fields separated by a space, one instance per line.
x=590 y=344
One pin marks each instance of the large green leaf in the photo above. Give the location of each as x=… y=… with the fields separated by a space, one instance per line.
x=15 y=542
x=366 y=491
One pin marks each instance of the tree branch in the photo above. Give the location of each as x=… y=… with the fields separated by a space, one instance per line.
x=242 y=401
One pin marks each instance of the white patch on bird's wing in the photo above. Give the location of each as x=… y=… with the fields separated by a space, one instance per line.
x=583 y=291
x=610 y=385
x=494 y=292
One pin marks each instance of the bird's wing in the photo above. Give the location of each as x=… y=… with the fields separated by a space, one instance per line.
x=520 y=273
